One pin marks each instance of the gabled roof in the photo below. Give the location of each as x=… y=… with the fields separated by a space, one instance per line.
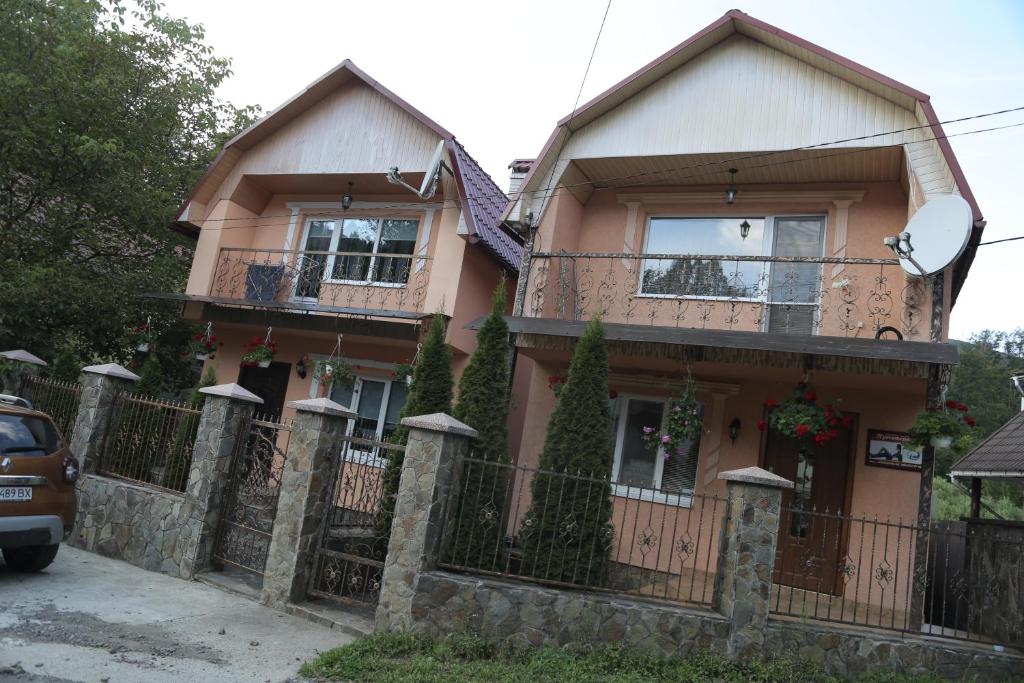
x=733 y=22
x=1000 y=455
x=482 y=205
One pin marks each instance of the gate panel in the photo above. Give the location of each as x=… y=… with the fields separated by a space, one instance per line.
x=250 y=504
x=349 y=560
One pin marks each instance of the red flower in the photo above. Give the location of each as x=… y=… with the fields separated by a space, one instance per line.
x=771 y=403
x=847 y=421
x=810 y=396
x=613 y=394
x=971 y=422
x=802 y=429
x=951 y=404
x=762 y=425
x=553 y=379
x=962 y=407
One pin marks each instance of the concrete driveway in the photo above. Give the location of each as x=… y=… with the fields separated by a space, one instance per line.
x=89 y=618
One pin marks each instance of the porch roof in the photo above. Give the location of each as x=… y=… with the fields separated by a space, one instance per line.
x=1000 y=456
x=788 y=350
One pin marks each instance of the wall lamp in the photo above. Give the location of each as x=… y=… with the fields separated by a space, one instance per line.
x=734 y=429
x=732 y=191
x=346 y=199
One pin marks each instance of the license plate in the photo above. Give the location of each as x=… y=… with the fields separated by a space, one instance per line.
x=15 y=494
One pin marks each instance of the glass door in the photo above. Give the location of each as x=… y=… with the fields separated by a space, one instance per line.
x=794 y=288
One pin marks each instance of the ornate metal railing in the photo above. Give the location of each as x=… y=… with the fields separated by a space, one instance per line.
x=337 y=281
x=150 y=441
x=570 y=530
x=861 y=571
x=57 y=399
x=843 y=297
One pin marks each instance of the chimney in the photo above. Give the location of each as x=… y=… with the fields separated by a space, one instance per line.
x=520 y=167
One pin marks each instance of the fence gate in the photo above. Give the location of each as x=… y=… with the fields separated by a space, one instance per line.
x=349 y=559
x=250 y=503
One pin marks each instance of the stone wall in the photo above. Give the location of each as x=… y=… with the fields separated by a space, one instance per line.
x=137 y=524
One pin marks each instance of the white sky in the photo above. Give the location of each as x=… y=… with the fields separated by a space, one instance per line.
x=499 y=75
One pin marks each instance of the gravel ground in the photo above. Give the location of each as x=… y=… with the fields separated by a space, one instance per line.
x=89 y=618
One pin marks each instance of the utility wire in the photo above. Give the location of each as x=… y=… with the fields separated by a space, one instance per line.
x=1005 y=239
x=550 y=189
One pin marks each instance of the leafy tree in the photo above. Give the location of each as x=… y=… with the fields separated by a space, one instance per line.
x=108 y=116
x=431 y=392
x=483 y=404
x=179 y=460
x=151 y=381
x=567 y=530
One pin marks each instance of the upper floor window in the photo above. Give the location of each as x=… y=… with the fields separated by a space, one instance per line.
x=365 y=250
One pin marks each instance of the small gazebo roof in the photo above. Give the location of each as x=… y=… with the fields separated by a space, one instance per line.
x=1000 y=456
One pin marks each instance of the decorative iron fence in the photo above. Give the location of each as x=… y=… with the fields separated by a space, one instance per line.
x=569 y=530
x=348 y=564
x=57 y=399
x=842 y=297
x=341 y=282
x=862 y=571
x=150 y=441
x=254 y=485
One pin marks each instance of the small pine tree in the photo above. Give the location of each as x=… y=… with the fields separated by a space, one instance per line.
x=431 y=392
x=151 y=379
x=67 y=366
x=180 y=460
x=483 y=405
x=567 y=531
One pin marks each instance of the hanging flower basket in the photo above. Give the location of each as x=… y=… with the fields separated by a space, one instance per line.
x=333 y=371
x=403 y=373
x=801 y=416
x=949 y=426
x=203 y=344
x=140 y=336
x=259 y=352
x=684 y=423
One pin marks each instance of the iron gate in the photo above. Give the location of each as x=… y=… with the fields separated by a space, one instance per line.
x=349 y=561
x=250 y=503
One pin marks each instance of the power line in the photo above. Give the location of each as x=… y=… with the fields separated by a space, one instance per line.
x=1005 y=239
x=550 y=189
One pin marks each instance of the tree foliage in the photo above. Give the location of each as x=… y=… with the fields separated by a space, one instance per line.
x=483 y=404
x=567 y=530
x=108 y=116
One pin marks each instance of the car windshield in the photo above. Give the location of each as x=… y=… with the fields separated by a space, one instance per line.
x=27 y=435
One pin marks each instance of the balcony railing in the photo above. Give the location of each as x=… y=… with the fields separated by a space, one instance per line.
x=327 y=281
x=842 y=297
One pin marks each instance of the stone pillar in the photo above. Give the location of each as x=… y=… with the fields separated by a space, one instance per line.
x=226 y=410
x=306 y=485
x=746 y=557
x=428 y=479
x=100 y=383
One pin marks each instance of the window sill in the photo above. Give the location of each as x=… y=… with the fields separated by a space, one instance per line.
x=364 y=283
x=692 y=297
x=682 y=500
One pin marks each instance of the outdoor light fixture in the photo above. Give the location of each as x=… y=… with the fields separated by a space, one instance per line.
x=300 y=367
x=731 y=192
x=734 y=429
x=744 y=229
x=346 y=199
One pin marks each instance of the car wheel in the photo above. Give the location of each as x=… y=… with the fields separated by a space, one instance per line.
x=31 y=559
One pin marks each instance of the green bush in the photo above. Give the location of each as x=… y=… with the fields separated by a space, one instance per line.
x=179 y=461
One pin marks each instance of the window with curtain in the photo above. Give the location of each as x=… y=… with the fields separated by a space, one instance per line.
x=643 y=471
x=372 y=250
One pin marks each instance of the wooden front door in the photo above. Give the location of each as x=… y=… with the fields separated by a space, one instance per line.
x=270 y=384
x=812 y=538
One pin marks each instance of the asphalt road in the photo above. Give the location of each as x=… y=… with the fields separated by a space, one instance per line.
x=89 y=618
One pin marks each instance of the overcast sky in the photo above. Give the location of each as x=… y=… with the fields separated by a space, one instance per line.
x=499 y=75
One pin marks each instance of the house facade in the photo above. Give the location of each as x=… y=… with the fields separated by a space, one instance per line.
x=723 y=210
x=301 y=238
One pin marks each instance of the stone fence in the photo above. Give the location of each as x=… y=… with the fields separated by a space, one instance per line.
x=417 y=597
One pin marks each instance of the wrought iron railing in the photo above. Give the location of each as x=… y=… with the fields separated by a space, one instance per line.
x=150 y=441
x=864 y=571
x=57 y=399
x=337 y=281
x=841 y=297
x=570 y=530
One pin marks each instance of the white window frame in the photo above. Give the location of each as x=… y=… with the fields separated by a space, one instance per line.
x=355 y=454
x=372 y=255
x=632 y=492
x=767 y=248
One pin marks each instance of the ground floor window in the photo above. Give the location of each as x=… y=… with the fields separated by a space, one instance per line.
x=377 y=402
x=641 y=471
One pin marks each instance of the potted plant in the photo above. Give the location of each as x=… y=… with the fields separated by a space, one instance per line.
x=943 y=427
x=139 y=337
x=801 y=415
x=258 y=352
x=403 y=373
x=333 y=371
x=203 y=344
x=684 y=423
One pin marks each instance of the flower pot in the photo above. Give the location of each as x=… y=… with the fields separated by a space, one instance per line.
x=202 y=356
x=143 y=347
x=942 y=441
x=264 y=364
x=408 y=380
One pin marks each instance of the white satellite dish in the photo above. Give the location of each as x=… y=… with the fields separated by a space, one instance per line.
x=940 y=230
x=429 y=185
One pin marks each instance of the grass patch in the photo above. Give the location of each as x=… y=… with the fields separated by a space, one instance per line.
x=391 y=658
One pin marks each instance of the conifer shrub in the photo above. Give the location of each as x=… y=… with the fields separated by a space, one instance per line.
x=179 y=460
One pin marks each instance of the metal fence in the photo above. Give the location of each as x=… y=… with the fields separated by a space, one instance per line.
x=57 y=399
x=570 y=530
x=865 y=571
x=827 y=296
x=150 y=441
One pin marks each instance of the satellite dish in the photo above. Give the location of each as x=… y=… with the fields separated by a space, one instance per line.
x=430 y=177
x=940 y=230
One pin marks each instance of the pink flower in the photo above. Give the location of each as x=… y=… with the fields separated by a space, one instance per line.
x=665 y=438
x=648 y=430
